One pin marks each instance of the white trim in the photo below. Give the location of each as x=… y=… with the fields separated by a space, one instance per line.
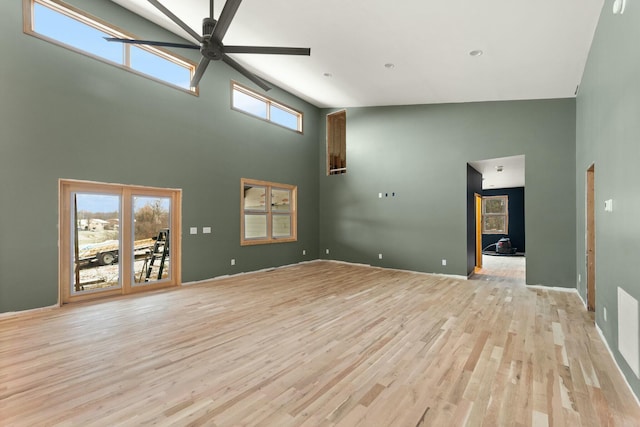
x=10 y=314
x=615 y=362
x=554 y=288
x=452 y=276
x=244 y=273
x=584 y=302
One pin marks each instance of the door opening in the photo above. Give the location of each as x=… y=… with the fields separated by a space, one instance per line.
x=591 y=240
x=478 y=208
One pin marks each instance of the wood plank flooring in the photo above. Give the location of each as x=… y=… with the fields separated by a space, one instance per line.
x=502 y=268
x=318 y=344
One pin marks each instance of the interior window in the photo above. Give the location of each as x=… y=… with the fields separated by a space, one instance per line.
x=337 y=143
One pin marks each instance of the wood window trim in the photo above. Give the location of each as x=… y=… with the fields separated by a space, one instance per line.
x=505 y=214
x=104 y=26
x=235 y=86
x=336 y=143
x=66 y=187
x=293 y=212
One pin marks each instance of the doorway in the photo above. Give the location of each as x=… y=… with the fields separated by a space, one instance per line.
x=116 y=239
x=478 y=210
x=499 y=226
x=591 y=240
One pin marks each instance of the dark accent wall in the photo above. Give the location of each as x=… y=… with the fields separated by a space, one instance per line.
x=420 y=153
x=516 y=218
x=474 y=186
x=64 y=115
x=607 y=135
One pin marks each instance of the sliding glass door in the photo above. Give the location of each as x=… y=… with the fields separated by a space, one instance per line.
x=117 y=239
x=96 y=242
x=151 y=239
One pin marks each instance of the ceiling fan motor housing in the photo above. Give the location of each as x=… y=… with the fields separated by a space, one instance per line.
x=210 y=48
x=208 y=24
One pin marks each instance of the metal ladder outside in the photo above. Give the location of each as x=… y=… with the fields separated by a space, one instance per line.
x=161 y=240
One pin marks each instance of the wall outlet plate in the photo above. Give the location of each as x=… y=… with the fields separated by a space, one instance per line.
x=608 y=205
x=206 y=230
x=444 y=262
x=233 y=261
x=193 y=230
x=379 y=256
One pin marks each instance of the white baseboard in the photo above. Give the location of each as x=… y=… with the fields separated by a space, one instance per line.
x=615 y=362
x=27 y=312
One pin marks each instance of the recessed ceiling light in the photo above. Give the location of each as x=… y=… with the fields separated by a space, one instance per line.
x=477 y=52
x=389 y=65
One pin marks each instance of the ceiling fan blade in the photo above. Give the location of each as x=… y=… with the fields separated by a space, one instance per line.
x=248 y=74
x=152 y=43
x=226 y=16
x=268 y=50
x=200 y=69
x=175 y=19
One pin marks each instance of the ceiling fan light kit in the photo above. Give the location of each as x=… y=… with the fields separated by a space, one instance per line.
x=210 y=42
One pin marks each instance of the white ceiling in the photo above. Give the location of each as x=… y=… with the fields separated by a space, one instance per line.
x=512 y=174
x=531 y=49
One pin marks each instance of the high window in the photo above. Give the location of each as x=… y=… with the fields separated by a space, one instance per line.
x=268 y=212
x=337 y=143
x=495 y=215
x=67 y=26
x=249 y=102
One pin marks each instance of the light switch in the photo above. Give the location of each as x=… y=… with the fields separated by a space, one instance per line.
x=608 y=205
x=206 y=230
x=193 y=230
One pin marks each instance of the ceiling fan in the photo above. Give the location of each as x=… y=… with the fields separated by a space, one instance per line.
x=210 y=42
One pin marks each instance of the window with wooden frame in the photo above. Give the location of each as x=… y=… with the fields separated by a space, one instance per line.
x=247 y=101
x=495 y=215
x=67 y=26
x=337 y=143
x=117 y=239
x=268 y=212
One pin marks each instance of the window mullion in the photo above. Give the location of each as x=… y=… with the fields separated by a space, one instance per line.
x=127 y=54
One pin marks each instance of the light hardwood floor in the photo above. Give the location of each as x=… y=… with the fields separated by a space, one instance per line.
x=318 y=344
x=502 y=268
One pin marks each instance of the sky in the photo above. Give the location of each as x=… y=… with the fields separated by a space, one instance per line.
x=71 y=32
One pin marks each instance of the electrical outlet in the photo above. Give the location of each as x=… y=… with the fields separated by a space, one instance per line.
x=444 y=262
x=304 y=252
x=193 y=230
x=604 y=313
x=379 y=256
x=579 y=278
x=233 y=261
x=206 y=230
x=379 y=195
x=327 y=251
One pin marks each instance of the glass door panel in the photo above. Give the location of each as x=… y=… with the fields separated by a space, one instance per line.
x=151 y=238
x=95 y=242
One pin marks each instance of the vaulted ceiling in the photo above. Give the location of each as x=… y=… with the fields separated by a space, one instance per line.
x=529 y=49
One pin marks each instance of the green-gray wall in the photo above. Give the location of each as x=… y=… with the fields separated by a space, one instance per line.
x=420 y=153
x=608 y=134
x=64 y=115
